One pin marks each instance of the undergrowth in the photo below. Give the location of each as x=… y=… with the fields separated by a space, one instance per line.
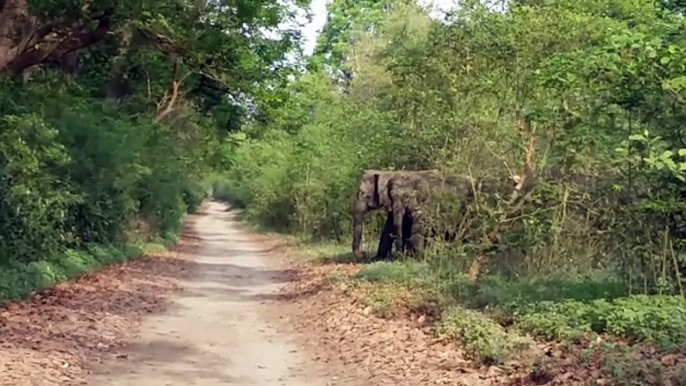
x=18 y=280
x=485 y=340
x=498 y=320
x=588 y=120
x=554 y=310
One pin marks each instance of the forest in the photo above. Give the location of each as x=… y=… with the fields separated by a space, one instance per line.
x=112 y=116
x=583 y=99
x=117 y=118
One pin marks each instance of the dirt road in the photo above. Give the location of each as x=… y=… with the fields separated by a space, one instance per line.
x=213 y=334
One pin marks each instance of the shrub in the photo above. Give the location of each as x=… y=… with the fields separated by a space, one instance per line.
x=480 y=336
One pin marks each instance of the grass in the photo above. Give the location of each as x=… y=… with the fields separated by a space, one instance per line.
x=382 y=303
x=18 y=280
x=483 y=339
x=498 y=319
x=324 y=252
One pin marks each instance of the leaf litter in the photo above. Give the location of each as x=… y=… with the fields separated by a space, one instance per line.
x=56 y=335
x=345 y=337
x=355 y=345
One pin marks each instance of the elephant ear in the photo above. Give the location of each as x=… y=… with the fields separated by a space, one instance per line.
x=385 y=198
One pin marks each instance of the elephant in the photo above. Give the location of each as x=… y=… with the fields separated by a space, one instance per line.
x=372 y=195
x=409 y=193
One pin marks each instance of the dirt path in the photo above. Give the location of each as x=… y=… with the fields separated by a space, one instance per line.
x=213 y=333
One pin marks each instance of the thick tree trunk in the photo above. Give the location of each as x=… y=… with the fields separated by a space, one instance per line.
x=26 y=42
x=16 y=30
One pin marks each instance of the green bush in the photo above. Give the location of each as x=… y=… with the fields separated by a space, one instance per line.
x=36 y=199
x=78 y=173
x=659 y=320
x=655 y=319
x=496 y=290
x=480 y=336
x=19 y=280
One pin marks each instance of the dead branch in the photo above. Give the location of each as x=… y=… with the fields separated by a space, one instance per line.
x=170 y=97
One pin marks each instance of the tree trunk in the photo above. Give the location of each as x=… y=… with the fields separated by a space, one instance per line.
x=118 y=84
x=26 y=42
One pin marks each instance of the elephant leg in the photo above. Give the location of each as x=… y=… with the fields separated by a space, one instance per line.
x=398 y=216
x=408 y=222
x=417 y=236
x=386 y=238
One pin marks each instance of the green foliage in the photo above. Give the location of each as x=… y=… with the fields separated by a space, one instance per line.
x=588 y=95
x=18 y=280
x=35 y=202
x=584 y=99
x=496 y=290
x=658 y=320
x=484 y=339
x=76 y=171
x=80 y=171
x=113 y=115
x=576 y=309
x=409 y=273
x=381 y=303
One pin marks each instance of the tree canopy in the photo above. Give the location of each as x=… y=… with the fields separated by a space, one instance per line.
x=583 y=101
x=113 y=116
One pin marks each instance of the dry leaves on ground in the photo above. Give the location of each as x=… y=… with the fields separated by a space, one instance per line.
x=50 y=338
x=334 y=321
x=356 y=345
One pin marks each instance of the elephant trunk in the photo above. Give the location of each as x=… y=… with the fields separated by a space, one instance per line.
x=358 y=219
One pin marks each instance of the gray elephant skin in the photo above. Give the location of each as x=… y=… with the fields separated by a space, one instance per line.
x=372 y=195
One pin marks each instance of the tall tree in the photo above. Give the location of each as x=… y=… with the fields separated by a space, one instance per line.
x=347 y=21
x=210 y=51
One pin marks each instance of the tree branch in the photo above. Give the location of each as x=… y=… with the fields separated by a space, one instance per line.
x=24 y=44
x=174 y=94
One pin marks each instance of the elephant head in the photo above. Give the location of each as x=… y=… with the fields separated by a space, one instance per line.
x=372 y=194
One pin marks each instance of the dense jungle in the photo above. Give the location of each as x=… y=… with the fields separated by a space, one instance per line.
x=112 y=114
x=557 y=125
x=580 y=102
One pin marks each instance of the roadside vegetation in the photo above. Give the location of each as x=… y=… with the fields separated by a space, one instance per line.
x=112 y=116
x=587 y=96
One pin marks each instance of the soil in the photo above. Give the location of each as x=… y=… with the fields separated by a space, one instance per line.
x=213 y=333
x=227 y=307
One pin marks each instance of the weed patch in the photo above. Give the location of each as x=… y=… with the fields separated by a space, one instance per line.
x=658 y=320
x=391 y=272
x=485 y=340
x=497 y=319
x=17 y=280
x=382 y=303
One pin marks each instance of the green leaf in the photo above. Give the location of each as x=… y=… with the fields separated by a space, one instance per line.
x=667 y=154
